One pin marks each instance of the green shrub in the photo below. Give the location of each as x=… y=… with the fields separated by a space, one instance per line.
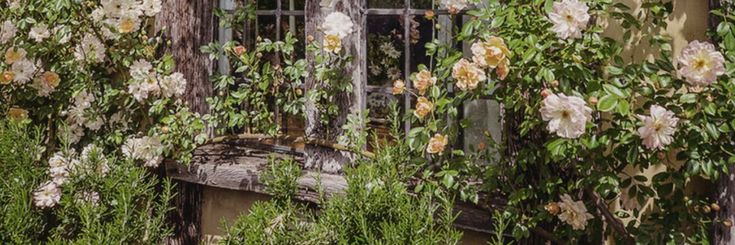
x=103 y=200
x=376 y=208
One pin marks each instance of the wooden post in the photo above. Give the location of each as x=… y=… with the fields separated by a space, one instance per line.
x=725 y=191
x=188 y=25
x=319 y=157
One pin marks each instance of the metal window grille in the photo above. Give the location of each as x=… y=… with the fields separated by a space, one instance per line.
x=287 y=9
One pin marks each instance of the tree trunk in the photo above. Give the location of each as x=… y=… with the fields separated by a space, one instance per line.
x=319 y=157
x=188 y=25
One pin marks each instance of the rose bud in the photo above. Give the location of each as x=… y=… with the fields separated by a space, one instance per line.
x=593 y=100
x=165 y=129
x=715 y=207
x=238 y=50
x=727 y=223
x=552 y=208
x=429 y=14
x=545 y=93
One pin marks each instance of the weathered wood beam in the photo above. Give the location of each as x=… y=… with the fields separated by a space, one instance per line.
x=186 y=26
x=317 y=156
x=237 y=166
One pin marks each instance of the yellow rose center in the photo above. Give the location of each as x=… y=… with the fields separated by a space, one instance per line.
x=700 y=64
x=658 y=126
x=12 y=57
x=566 y=114
x=126 y=25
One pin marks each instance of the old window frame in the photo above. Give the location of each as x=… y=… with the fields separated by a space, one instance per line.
x=407 y=13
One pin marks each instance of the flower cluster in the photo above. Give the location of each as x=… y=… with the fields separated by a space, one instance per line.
x=82 y=114
x=69 y=164
x=125 y=16
x=22 y=69
x=454 y=6
x=147 y=83
x=146 y=149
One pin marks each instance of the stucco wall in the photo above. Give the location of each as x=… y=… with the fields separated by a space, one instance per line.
x=688 y=22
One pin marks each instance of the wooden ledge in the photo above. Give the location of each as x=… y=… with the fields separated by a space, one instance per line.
x=238 y=165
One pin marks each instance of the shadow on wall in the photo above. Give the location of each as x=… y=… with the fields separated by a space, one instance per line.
x=687 y=22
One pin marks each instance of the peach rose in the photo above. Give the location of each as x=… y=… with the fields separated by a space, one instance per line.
x=423 y=107
x=398 y=87
x=239 y=50
x=7 y=77
x=437 y=144
x=423 y=81
x=467 y=74
x=50 y=78
x=490 y=53
x=14 y=54
x=17 y=113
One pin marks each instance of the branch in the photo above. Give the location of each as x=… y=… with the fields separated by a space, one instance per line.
x=318 y=142
x=339 y=147
x=609 y=218
x=547 y=235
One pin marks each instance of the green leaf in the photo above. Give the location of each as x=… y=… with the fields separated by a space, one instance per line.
x=614 y=90
x=623 y=107
x=607 y=103
x=688 y=98
x=557 y=146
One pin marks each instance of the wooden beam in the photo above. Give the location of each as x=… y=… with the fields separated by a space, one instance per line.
x=237 y=166
x=319 y=157
x=186 y=26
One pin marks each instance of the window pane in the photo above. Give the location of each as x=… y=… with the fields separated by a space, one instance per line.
x=385 y=50
x=296 y=26
x=266 y=27
x=292 y=4
x=421 y=33
x=388 y=4
x=267 y=4
x=423 y=4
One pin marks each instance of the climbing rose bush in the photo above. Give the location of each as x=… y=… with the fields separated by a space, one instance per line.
x=582 y=121
x=92 y=78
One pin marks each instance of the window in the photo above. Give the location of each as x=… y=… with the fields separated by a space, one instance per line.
x=397 y=31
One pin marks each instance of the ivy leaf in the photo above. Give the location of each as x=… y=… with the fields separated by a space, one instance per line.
x=557 y=146
x=623 y=107
x=688 y=98
x=614 y=90
x=607 y=103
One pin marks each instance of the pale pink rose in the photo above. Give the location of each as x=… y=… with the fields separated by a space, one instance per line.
x=566 y=115
x=700 y=63
x=569 y=17
x=658 y=128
